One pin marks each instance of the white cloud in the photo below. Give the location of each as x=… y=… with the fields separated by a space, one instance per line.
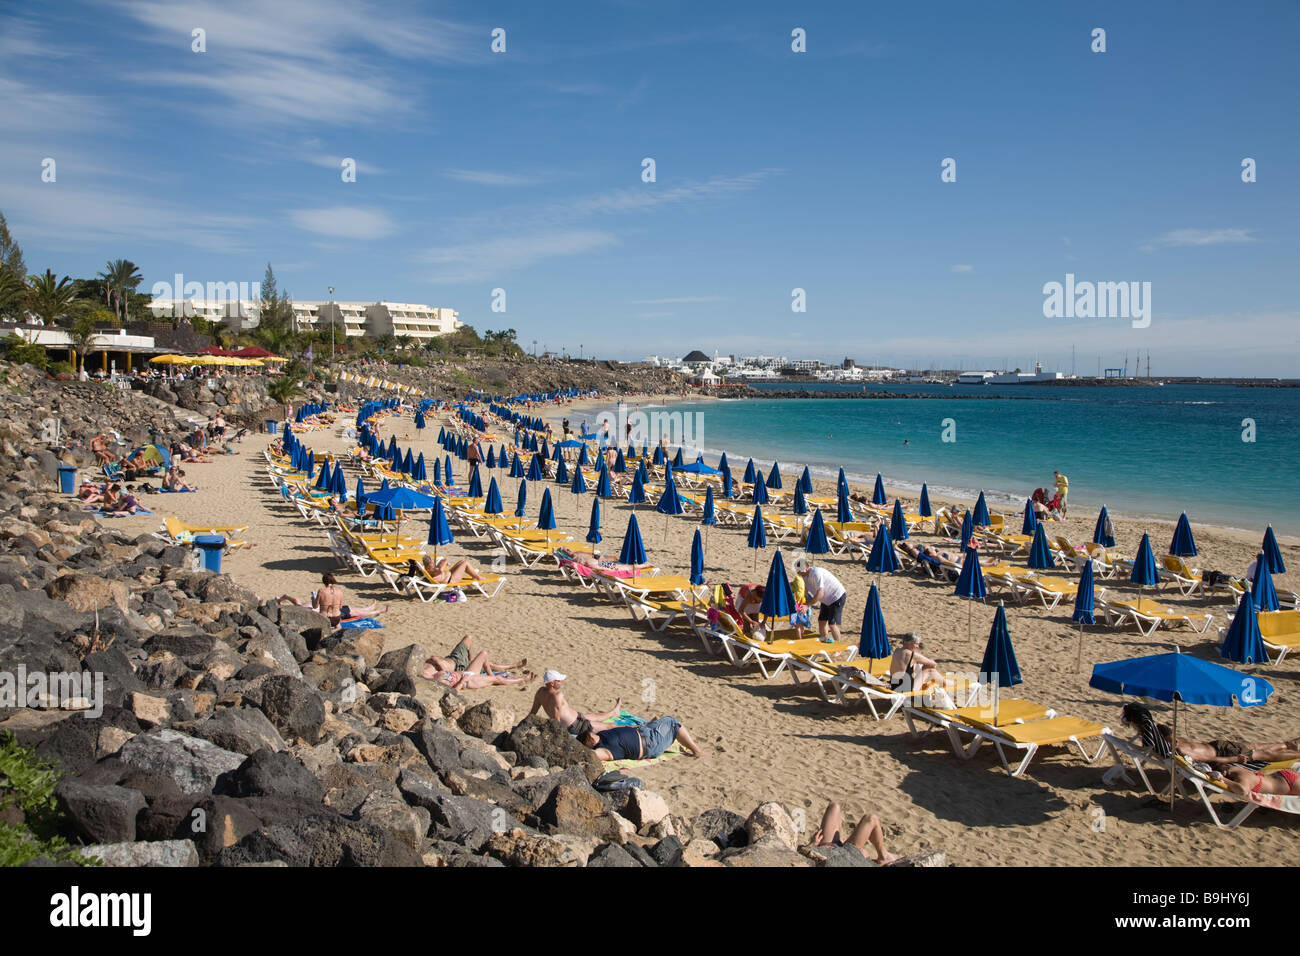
x=494 y=258
x=651 y=195
x=483 y=177
x=1200 y=237
x=961 y=267
x=336 y=163
x=680 y=300
x=344 y=222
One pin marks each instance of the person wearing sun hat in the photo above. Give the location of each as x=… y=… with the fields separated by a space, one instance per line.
x=550 y=698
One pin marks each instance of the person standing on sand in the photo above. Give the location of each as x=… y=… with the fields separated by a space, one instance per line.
x=550 y=698
x=1062 y=489
x=825 y=589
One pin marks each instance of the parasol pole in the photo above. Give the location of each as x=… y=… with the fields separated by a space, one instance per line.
x=1173 y=758
x=1078 y=659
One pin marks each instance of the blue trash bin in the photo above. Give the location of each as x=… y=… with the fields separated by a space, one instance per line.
x=67 y=479
x=270 y=426
x=210 y=548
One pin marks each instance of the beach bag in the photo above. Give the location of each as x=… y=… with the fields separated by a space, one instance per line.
x=934 y=695
x=802 y=617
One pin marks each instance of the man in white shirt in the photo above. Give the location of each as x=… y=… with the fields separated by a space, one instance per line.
x=825 y=589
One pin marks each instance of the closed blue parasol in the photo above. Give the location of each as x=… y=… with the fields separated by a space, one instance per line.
x=758 y=493
x=774 y=476
x=1144 y=565
x=535 y=468
x=1263 y=594
x=637 y=495
x=447 y=479
x=800 y=506
x=604 y=486
x=878 y=493
x=970 y=583
x=722 y=462
x=1244 y=644
x=516 y=467
x=925 y=510
x=1272 y=553
x=1031 y=520
x=882 y=559
x=1040 y=555
x=778 y=598
x=523 y=499
x=491 y=457
x=874 y=641
x=420 y=472
x=1083 y=606
x=325 y=477
x=546 y=513
x=1103 y=534
x=492 y=505
x=710 y=517
x=967 y=529
x=360 y=496
x=897 y=523
x=659 y=457
x=339 y=484
x=679 y=459
x=579 y=485
x=843 y=512
x=620 y=464
x=561 y=472
x=669 y=502
x=697 y=560
x=1183 y=544
x=593 y=529
x=583 y=458
x=475 y=484
x=999 y=666
x=633 y=551
x=439 y=530
x=748 y=477
x=437 y=472
x=805 y=481
x=408 y=463
x=757 y=537
x=981 y=516
x=817 y=543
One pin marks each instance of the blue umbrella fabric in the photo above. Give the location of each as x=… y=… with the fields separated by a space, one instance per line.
x=604 y=486
x=579 y=485
x=633 y=551
x=637 y=495
x=401 y=498
x=878 y=492
x=697 y=560
x=535 y=469
x=817 y=542
x=1244 y=644
x=360 y=495
x=475 y=484
x=925 y=510
x=970 y=583
x=1188 y=679
x=749 y=473
x=437 y=472
x=546 y=514
x=981 y=516
x=678 y=459
x=659 y=457
x=1272 y=553
x=620 y=464
x=1083 y=607
x=561 y=472
x=727 y=491
x=439 y=530
x=757 y=537
x=967 y=530
x=1263 y=593
x=492 y=505
x=491 y=457
x=710 y=517
x=421 y=471
x=843 y=512
x=800 y=506
x=999 y=664
x=593 y=529
x=774 y=476
x=583 y=458
x=758 y=492
x=805 y=481
x=1031 y=519
x=778 y=598
x=669 y=502
x=1183 y=544
x=523 y=499
x=1040 y=555
x=516 y=467
x=882 y=559
x=874 y=642
x=1103 y=534
x=1144 y=565
x=897 y=523
x=447 y=479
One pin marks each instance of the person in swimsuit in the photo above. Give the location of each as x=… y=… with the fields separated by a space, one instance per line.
x=910 y=668
x=329 y=601
x=868 y=830
x=463 y=658
x=550 y=698
x=442 y=572
x=1242 y=782
x=474 y=678
x=640 y=742
x=1219 y=752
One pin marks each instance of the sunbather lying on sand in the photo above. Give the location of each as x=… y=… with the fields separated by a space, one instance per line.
x=550 y=698
x=463 y=659
x=329 y=601
x=1218 y=752
x=640 y=742
x=868 y=830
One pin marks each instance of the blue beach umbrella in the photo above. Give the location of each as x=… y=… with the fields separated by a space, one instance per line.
x=800 y=506
x=516 y=467
x=1083 y=606
x=583 y=458
x=843 y=512
x=604 y=486
x=401 y=498
x=546 y=513
x=643 y=472
x=897 y=523
x=502 y=456
x=1031 y=520
x=408 y=463
x=873 y=643
x=727 y=491
x=420 y=472
x=669 y=502
x=758 y=493
x=778 y=598
x=1263 y=594
x=439 y=530
x=805 y=481
x=579 y=485
x=447 y=479
x=878 y=493
x=535 y=468
x=697 y=562
x=437 y=472
x=324 y=479
x=1183 y=544
x=757 y=537
x=360 y=495
x=981 y=516
x=678 y=459
x=658 y=458
x=561 y=472
x=1103 y=534
x=1244 y=644
x=774 y=476
x=633 y=551
x=817 y=543
x=722 y=462
x=475 y=484
x=491 y=457
x=637 y=496
x=882 y=559
x=1272 y=553
x=999 y=665
x=749 y=473
x=492 y=505
x=710 y=517
x=339 y=484
x=1040 y=555
x=970 y=584
x=842 y=481
x=967 y=530
x=593 y=529
x=523 y=499
x=925 y=510
x=620 y=464
x=1144 y=565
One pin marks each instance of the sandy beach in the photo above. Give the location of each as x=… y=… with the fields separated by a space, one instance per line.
x=777 y=740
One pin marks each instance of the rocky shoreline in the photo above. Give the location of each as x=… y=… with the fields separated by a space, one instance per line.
x=233 y=731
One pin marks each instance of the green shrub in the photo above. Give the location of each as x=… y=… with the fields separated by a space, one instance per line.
x=27 y=784
x=61 y=368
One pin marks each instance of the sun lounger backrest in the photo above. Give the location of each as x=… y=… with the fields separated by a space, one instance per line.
x=1279 y=623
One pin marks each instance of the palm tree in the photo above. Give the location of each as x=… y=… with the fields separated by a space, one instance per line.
x=120 y=278
x=48 y=296
x=405 y=342
x=82 y=338
x=12 y=292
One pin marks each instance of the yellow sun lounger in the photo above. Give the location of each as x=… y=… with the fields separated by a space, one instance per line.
x=1025 y=735
x=1149 y=615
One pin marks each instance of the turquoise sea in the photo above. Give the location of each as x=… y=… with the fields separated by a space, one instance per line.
x=1141 y=450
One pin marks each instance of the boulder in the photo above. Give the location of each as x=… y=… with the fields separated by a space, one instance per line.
x=243 y=730
x=487 y=720
x=771 y=818
x=539 y=736
x=611 y=854
x=293 y=707
x=518 y=847
x=193 y=764
x=645 y=808
x=769 y=851
x=88 y=592
x=409 y=824
x=667 y=852
x=168 y=853
x=580 y=812
x=268 y=773
x=100 y=814
x=723 y=827
x=403 y=668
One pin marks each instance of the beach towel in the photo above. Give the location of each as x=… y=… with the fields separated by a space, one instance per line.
x=626 y=719
x=364 y=622
x=175 y=491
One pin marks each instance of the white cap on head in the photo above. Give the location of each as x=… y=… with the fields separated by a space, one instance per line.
x=552 y=676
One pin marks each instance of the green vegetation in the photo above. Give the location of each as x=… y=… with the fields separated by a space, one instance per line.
x=29 y=816
x=20 y=352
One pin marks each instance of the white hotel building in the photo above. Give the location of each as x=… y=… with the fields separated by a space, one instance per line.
x=351 y=319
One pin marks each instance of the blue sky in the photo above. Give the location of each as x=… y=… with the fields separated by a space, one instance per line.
x=775 y=170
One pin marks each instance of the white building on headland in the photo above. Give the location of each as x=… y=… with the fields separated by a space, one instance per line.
x=350 y=319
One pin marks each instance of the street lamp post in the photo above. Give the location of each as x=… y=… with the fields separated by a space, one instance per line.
x=331 y=325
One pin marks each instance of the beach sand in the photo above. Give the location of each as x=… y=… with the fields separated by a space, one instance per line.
x=773 y=740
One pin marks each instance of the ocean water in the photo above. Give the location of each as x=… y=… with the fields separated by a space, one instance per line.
x=1150 y=450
